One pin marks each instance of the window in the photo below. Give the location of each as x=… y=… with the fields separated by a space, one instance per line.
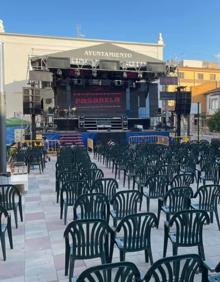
x=213 y=103
x=212 y=76
x=200 y=76
x=181 y=75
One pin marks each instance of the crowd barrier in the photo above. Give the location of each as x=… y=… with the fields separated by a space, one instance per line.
x=153 y=139
x=53 y=145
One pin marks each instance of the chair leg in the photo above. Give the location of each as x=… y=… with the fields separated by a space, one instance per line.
x=146 y=256
x=124 y=178
x=67 y=259
x=217 y=218
x=122 y=255
x=201 y=251
x=211 y=217
x=175 y=250
x=114 y=222
x=150 y=255
x=65 y=213
x=71 y=270
x=3 y=245
x=61 y=208
x=10 y=232
x=165 y=244
x=16 y=217
x=160 y=203
x=148 y=203
x=129 y=181
x=20 y=211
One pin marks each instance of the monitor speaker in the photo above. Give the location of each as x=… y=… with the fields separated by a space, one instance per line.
x=183 y=102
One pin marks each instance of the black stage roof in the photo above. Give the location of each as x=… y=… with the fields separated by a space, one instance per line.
x=94 y=56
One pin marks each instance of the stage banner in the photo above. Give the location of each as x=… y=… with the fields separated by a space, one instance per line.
x=97 y=101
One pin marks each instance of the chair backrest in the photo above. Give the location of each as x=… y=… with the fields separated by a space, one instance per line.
x=107 y=186
x=74 y=189
x=9 y=196
x=170 y=170
x=182 y=180
x=92 y=206
x=89 y=238
x=181 y=268
x=92 y=175
x=208 y=196
x=178 y=199
x=136 y=230
x=157 y=186
x=189 y=226
x=126 y=202
x=112 y=272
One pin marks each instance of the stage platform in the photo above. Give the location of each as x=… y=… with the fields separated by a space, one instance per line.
x=118 y=136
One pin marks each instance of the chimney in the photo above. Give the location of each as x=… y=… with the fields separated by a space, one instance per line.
x=2 y=28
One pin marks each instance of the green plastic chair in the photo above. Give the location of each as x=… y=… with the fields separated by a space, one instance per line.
x=112 y=272
x=10 y=199
x=87 y=239
x=182 y=180
x=5 y=225
x=107 y=186
x=183 y=268
x=206 y=198
x=185 y=229
x=91 y=175
x=69 y=194
x=155 y=188
x=92 y=206
x=124 y=203
x=133 y=234
x=175 y=200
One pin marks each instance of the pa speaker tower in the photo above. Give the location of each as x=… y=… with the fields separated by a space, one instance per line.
x=183 y=102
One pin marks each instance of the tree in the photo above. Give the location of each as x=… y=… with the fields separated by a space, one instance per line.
x=214 y=122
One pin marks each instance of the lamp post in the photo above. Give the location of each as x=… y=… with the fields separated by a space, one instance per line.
x=2 y=113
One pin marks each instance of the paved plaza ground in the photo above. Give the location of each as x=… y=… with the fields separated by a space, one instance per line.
x=38 y=253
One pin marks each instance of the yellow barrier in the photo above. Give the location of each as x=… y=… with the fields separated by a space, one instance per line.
x=53 y=145
x=182 y=138
x=90 y=144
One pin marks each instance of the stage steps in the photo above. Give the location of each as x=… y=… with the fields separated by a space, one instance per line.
x=72 y=138
x=95 y=123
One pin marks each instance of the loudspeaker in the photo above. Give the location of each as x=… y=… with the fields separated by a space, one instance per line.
x=183 y=102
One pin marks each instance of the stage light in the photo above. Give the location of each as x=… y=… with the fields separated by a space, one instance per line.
x=125 y=75
x=59 y=72
x=140 y=75
x=94 y=73
x=77 y=72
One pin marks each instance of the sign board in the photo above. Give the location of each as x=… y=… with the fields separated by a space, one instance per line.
x=195 y=108
x=169 y=80
x=167 y=95
x=19 y=135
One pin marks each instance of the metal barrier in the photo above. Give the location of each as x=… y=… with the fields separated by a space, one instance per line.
x=152 y=139
x=53 y=145
x=182 y=138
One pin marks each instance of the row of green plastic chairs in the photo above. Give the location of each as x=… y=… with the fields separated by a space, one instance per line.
x=184 y=268
x=89 y=238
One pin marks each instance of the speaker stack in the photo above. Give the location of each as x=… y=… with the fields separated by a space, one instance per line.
x=183 y=102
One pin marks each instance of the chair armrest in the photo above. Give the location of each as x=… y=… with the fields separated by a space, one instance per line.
x=210 y=266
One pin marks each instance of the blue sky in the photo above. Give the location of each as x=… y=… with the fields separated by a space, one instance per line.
x=190 y=28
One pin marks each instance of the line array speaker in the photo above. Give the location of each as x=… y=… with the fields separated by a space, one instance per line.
x=183 y=102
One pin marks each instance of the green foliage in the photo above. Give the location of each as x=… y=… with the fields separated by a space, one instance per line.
x=214 y=122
